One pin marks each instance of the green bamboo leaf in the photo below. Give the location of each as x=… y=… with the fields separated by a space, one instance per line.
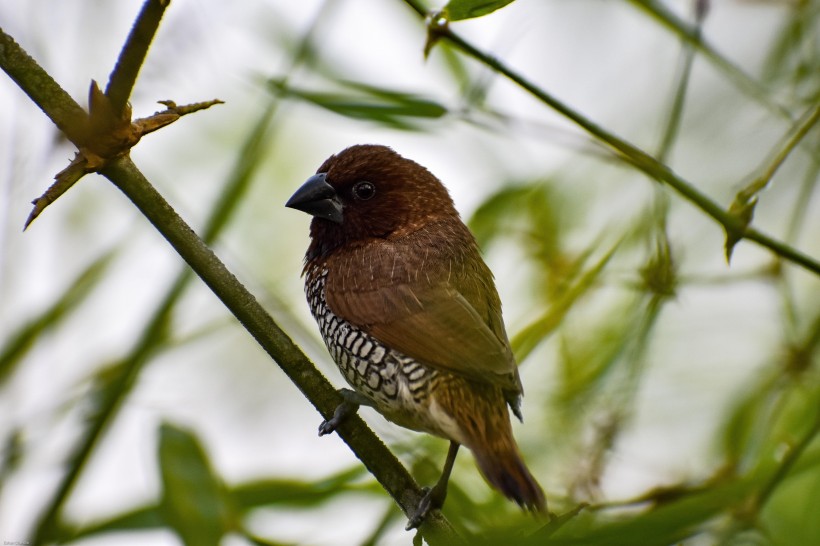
x=359 y=101
x=245 y=497
x=749 y=419
x=539 y=215
x=787 y=515
x=11 y=454
x=298 y=493
x=194 y=503
x=458 y=10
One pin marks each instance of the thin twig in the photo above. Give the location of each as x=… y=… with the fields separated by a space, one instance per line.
x=132 y=56
x=795 y=135
x=63 y=182
x=172 y=112
x=109 y=136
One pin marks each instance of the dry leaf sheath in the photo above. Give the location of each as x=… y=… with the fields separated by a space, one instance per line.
x=106 y=137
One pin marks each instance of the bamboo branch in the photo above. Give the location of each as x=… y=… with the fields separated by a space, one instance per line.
x=795 y=135
x=124 y=76
x=734 y=225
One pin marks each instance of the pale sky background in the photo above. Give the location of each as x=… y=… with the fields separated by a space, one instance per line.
x=605 y=59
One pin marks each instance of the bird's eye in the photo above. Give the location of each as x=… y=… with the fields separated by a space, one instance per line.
x=364 y=191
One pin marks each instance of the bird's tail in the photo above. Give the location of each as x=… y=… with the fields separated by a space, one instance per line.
x=504 y=469
x=482 y=419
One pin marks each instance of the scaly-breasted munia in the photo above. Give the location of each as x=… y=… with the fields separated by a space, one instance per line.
x=410 y=313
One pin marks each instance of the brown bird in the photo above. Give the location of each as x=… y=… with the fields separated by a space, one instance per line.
x=410 y=314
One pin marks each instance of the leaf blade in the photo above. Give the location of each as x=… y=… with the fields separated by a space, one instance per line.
x=459 y=10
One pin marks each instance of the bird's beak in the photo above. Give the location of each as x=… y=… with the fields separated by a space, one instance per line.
x=317 y=198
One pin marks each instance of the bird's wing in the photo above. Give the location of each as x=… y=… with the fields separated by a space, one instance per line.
x=432 y=321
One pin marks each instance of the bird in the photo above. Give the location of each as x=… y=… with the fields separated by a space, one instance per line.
x=409 y=312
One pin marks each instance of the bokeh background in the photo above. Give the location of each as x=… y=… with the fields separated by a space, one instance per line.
x=657 y=376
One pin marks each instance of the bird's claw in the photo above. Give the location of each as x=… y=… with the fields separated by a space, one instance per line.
x=433 y=499
x=342 y=411
x=327 y=427
x=435 y=496
x=421 y=510
x=351 y=402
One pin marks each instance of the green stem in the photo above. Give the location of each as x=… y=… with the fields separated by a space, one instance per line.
x=132 y=54
x=795 y=136
x=676 y=111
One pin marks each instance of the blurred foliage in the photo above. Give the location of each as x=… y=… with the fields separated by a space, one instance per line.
x=596 y=300
x=193 y=500
x=16 y=344
x=793 y=60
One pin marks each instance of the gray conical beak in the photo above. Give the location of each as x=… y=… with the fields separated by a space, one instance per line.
x=317 y=198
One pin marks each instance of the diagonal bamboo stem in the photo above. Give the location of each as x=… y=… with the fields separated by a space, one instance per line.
x=124 y=76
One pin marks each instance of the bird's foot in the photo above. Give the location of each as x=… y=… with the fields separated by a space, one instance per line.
x=342 y=411
x=433 y=499
x=351 y=400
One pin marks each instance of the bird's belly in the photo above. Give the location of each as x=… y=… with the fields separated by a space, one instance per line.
x=401 y=388
x=398 y=386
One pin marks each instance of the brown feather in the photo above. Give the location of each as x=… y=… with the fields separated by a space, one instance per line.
x=425 y=300
x=482 y=416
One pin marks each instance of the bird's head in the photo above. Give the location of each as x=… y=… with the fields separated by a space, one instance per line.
x=366 y=192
